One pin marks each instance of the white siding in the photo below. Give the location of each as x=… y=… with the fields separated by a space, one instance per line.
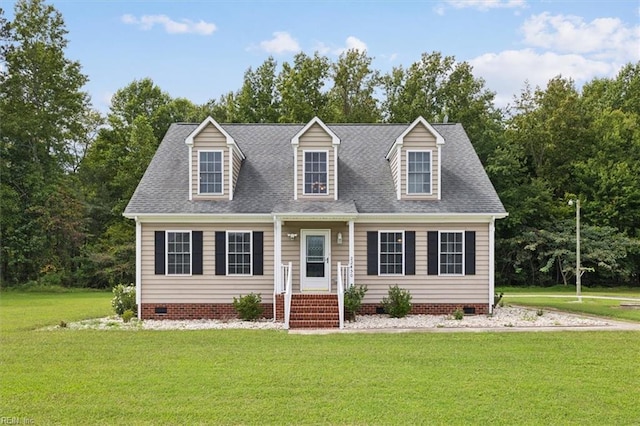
x=210 y=138
x=316 y=139
x=208 y=287
x=426 y=288
x=419 y=138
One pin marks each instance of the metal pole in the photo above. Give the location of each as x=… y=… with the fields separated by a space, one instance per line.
x=578 y=271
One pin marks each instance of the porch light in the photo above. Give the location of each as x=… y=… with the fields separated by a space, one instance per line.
x=339 y=238
x=292 y=237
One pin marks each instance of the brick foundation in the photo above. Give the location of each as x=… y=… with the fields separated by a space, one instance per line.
x=428 y=308
x=192 y=311
x=187 y=311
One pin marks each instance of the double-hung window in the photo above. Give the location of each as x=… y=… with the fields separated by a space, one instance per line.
x=178 y=252
x=451 y=253
x=418 y=172
x=239 y=253
x=315 y=172
x=391 y=252
x=210 y=172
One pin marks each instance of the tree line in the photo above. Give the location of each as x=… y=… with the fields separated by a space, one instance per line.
x=67 y=171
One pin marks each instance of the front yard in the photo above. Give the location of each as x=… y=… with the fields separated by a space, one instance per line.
x=271 y=377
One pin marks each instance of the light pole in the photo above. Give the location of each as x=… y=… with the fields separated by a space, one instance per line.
x=578 y=269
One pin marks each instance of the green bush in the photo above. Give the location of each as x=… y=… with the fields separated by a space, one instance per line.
x=127 y=315
x=124 y=298
x=398 y=303
x=458 y=314
x=353 y=300
x=249 y=307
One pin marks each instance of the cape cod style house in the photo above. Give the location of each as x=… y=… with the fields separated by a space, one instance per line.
x=299 y=212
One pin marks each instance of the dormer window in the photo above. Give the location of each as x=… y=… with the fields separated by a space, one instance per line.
x=418 y=172
x=210 y=172
x=315 y=172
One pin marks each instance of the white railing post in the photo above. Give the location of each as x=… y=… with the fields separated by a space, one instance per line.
x=340 y=295
x=287 y=294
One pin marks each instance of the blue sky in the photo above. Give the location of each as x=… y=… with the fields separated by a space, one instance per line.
x=201 y=49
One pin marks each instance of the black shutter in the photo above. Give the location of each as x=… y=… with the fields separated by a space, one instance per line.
x=159 y=252
x=470 y=253
x=196 y=244
x=410 y=252
x=258 y=252
x=372 y=253
x=432 y=252
x=221 y=253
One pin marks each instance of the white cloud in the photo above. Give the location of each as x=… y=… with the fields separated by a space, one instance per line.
x=184 y=26
x=506 y=72
x=321 y=48
x=484 y=4
x=604 y=37
x=351 y=43
x=282 y=42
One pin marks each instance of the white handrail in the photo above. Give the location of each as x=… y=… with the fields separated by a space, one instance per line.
x=340 y=289
x=287 y=293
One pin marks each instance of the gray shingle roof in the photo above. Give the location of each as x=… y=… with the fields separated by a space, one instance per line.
x=265 y=183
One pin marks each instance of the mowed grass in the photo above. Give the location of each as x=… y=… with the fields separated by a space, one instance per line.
x=271 y=377
x=601 y=302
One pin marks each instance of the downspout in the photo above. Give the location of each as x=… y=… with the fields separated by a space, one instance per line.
x=492 y=260
x=139 y=266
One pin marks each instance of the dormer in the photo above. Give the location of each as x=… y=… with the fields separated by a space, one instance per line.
x=214 y=162
x=315 y=159
x=415 y=162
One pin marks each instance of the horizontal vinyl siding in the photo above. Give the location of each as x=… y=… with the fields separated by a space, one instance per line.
x=420 y=139
x=208 y=287
x=426 y=288
x=315 y=139
x=237 y=163
x=291 y=249
x=210 y=139
x=393 y=164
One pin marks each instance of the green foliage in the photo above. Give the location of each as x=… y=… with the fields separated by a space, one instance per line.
x=124 y=299
x=458 y=314
x=127 y=315
x=398 y=302
x=353 y=296
x=249 y=307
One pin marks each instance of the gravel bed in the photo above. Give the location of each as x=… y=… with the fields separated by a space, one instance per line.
x=502 y=317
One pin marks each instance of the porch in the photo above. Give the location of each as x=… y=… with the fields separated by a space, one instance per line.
x=307 y=309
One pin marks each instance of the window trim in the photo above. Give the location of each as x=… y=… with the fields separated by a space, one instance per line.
x=440 y=232
x=430 y=172
x=304 y=173
x=166 y=252
x=241 y=231
x=221 y=171
x=404 y=252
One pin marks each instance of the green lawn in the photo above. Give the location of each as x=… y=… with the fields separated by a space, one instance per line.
x=563 y=298
x=271 y=377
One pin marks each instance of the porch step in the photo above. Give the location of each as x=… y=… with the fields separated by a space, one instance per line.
x=314 y=311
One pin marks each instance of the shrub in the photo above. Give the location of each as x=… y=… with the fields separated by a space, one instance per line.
x=127 y=315
x=398 y=303
x=249 y=307
x=353 y=300
x=540 y=312
x=124 y=298
x=458 y=314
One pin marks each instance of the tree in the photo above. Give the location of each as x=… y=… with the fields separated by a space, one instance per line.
x=258 y=100
x=439 y=88
x=354 y=84
x=42 y=106
x=301 y=88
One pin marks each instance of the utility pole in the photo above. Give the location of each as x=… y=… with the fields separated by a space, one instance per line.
x=578 y=268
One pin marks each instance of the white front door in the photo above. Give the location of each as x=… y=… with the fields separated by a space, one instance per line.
x=315 y=260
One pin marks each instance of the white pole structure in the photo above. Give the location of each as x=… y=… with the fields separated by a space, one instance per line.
x=578 y=269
